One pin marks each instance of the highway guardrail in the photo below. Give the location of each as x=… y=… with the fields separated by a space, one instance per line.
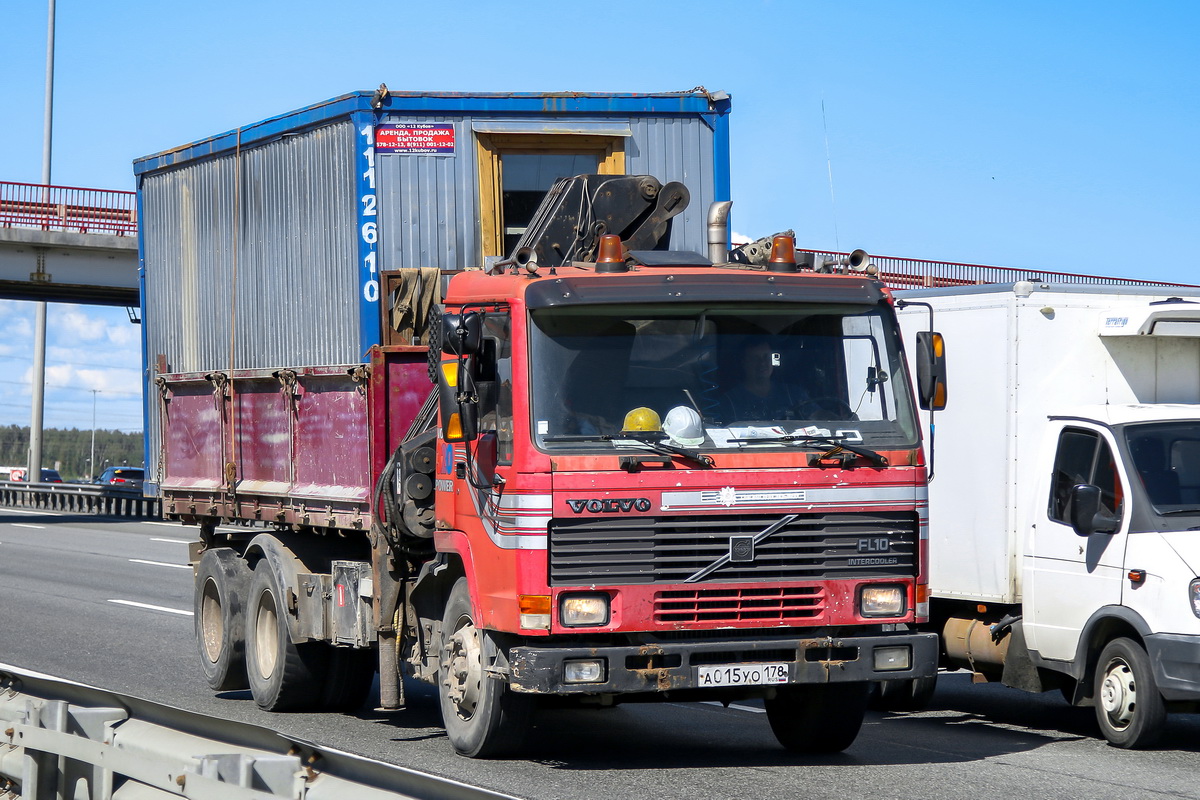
x=63 y=739
x=81 y=498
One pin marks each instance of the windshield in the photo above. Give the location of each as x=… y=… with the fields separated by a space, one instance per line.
x=1166 y=458
x=719 y=376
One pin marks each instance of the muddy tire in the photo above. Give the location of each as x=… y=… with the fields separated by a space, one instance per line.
x=822 y=718
x=483 y=718
x=283 y=676
x=222 y=584
x=1129 y=708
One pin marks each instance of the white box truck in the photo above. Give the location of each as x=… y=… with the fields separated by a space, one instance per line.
x=1064 y=508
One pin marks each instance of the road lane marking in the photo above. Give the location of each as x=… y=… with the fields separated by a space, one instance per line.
x=153 y=608
x=27 y=525
x=35 y=513
x=736 y=706
x=173 y=541
x=159 y=563
x=223 y=529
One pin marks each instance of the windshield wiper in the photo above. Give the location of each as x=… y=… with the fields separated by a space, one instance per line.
x=669 y=449
x=835 y=444
x=640 y=437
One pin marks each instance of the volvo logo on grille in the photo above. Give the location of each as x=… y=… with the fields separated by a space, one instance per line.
x=875 y=544
x=609 y=505
x=741 y=549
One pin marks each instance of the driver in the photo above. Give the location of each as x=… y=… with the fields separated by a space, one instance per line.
x=757 y=396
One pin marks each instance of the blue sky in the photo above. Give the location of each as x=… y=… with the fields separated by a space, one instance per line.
x=1055 y=135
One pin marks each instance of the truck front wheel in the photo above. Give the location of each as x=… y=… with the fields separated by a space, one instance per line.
x=1129 y=708
x=222 y=583
x=483 y=718
x=284 y=676
x=821 y=718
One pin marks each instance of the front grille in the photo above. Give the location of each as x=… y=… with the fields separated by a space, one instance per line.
x=766 y=606
x=646 y=550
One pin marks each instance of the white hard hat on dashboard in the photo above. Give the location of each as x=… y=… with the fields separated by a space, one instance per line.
x=684 y=426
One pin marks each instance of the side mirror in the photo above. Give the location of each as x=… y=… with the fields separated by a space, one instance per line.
x=1087 y=514
x=931 y=371
x=462 y=334
x=457 y=402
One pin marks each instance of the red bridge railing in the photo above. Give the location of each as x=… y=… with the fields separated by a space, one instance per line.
x=67 y=208
x=919 y=273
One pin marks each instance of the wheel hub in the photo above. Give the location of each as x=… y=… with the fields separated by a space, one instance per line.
x=462 y=666
x=1118 y=694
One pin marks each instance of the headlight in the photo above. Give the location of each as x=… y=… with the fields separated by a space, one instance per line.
x=881 y=601
x=580 y=610
x=586 y=670
x=1194 y=595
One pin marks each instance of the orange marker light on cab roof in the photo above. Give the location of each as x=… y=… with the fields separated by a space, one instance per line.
x=610 y=256
x=783 y=254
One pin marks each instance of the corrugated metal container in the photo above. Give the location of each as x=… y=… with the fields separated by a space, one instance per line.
x=262 y=247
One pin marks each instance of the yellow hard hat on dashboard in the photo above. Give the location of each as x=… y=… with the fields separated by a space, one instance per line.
x=642 y=419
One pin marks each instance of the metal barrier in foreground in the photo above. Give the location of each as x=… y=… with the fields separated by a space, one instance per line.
x=60 y=739
x=79 y=498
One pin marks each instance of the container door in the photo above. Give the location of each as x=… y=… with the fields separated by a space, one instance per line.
x=1067 y=576
x=516 y=171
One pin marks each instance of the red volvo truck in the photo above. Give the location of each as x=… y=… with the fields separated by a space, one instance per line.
x=598 y=469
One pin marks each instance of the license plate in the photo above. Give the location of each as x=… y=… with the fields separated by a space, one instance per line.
x=742 y=675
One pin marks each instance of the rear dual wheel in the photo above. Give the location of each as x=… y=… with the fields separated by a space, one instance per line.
x=284 y=676
x=288 y=676
x=222 y=584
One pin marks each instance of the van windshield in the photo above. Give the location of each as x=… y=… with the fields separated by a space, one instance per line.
x=1166 y=458
x=746 y=376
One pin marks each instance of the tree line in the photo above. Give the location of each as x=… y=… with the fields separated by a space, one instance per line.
x=69 y=450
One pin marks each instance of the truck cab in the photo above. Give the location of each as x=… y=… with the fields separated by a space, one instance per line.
x=618 y=517
x=1113 y=555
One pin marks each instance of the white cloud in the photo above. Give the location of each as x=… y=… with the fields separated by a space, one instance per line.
x=73 y=322
x=89 y=348
x=16 y=322
x=740 y=238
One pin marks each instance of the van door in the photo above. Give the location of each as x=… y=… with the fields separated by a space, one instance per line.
x=1067 y=577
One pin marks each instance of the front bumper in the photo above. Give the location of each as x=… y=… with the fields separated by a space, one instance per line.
x=1176 y=661
x=673 y=666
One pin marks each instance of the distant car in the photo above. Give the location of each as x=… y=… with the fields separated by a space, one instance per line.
x=48 y=475
x=123 y=477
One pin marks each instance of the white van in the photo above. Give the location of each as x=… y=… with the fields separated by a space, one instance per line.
x=1065 y=498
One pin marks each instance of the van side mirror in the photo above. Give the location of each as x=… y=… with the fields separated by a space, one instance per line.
x=931 y=371
x=1088 y=516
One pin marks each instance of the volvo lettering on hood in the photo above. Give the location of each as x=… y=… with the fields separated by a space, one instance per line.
x=609 y=505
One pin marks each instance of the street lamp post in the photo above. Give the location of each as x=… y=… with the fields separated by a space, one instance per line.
x=38 y=380
x=92 y=460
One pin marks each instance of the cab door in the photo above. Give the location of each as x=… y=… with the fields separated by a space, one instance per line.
x=1067 y=576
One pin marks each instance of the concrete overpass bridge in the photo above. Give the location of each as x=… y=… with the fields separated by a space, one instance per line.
x=68 y=244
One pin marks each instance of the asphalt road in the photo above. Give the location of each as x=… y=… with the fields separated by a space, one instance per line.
x=109 y=603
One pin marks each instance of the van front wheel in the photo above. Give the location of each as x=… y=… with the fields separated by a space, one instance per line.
x=1129 y=708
